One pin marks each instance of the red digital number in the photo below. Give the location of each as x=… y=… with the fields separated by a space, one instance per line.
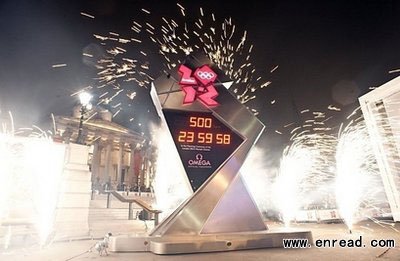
x=219 y=138
x=201 y=137
x=193 y=121
x=190 y=136
x=227 y=139
x=186 y=136
x=223 y=138
x=208 y=123
x=209 y=138
x=182 y=136
x=200 y=122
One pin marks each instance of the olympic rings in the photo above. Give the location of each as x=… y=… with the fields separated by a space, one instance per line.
x=205 y=75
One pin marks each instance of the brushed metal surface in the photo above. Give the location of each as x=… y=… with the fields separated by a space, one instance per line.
x=224 y=242
x=126 y=243
x=205 y=243
x=192 y=216
x=234 y=201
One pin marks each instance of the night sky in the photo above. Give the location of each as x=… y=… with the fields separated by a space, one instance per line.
x=328 y=52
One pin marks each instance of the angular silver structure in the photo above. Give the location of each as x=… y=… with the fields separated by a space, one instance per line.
x=213 y=143
x=381 y=112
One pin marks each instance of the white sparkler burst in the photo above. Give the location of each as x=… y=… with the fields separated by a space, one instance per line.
x=294 y=167
x=358 y=182
x=31 y=169
x=305 y=173
x=318 y=167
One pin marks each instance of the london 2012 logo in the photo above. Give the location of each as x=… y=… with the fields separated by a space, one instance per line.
x=199 y=84
x=199 y=162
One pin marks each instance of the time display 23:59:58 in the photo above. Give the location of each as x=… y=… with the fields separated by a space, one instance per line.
x=204 y=135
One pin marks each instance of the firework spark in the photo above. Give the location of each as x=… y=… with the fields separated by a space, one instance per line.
x=87 y=15
x=59 y=65
x=174 y=39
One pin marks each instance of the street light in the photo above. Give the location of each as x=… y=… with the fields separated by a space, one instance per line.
x=84 y=98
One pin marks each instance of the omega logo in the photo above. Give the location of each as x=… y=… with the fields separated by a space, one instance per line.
x=199 y=161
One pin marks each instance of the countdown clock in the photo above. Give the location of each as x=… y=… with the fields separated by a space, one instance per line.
x=203 y=142
x=211 y=134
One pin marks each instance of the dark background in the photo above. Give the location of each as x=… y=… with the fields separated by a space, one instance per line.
x=328 y=52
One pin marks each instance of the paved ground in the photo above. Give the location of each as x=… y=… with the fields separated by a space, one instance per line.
x=78 y=250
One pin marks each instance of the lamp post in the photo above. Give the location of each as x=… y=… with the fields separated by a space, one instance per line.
x=84 y=98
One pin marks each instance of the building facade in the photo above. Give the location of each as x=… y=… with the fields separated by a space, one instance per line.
x=119 y=157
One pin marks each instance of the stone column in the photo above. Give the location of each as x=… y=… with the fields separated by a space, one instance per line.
x=108 y=162
x=142 y=168
x=132 y=174
x=119 y=162
x=96 y=158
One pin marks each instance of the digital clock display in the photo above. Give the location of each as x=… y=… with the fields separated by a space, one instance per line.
x=204 y=136
x=203 y=142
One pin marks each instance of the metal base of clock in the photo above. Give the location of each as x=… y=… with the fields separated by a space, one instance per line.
x=205 y=243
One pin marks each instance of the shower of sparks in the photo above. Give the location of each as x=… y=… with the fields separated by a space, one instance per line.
x=305 y=173
x=30 y=197
x=358 y=182
x=174 y=39
x=222 y=42
x=116 y=68
x=319 y=167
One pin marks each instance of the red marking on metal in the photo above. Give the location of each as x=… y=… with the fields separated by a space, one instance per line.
x=208 y=97
x=186 y=78
x=200 y=85
x=190 y=94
